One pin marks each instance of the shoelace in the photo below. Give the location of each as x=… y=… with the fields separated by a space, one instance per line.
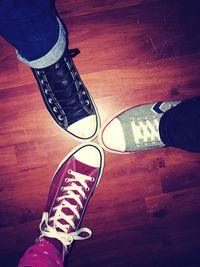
x=63 y=236
x=145 y=131
x=71 y=104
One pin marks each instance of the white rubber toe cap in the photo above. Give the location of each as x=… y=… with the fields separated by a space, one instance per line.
x=113 y=136
x=85 y=128
x=89 y=155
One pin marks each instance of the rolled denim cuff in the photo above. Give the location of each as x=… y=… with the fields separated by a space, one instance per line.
x=52 y=56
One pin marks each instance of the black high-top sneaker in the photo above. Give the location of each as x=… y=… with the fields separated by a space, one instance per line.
x=67 y=99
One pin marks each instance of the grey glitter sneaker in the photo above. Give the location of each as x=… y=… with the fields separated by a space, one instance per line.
x=135 y=129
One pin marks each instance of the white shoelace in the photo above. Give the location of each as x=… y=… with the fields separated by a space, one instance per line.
x=146 y=131
x=63 y=236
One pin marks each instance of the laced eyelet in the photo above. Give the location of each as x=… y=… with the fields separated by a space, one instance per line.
x=62 y=188
x=69 y=171
x=85 y=198
x=66 y=180
x=60 y=118
x=50 y=100
x=87 y=189
x=57 y=199
x=70 y=240
x=68 y=65
x=92 y=180
x=74 y=74
x=55 y=109
x=42 y=81
x=46 y=91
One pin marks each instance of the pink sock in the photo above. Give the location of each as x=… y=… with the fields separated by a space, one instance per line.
x=42 y=254
x=56 y=243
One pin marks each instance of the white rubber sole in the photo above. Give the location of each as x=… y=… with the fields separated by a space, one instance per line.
x=100 y=136
x=79 y=139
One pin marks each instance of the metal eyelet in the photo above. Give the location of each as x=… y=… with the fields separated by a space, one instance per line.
x=62 y=189
x=60 y=118
x=87 y=189
x=66 y=180
x=46 y=91
x=92 y=180
x=50 y=100
x=57 y=199
x=70 y=240
x=55 y=109
x=87 y=102
x=83 y=93
x=69 y=171
x=42 y=82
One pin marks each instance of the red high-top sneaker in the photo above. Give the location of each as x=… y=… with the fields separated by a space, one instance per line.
x=72 y=186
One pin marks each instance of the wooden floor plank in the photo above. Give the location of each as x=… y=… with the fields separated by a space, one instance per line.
x=145 y=211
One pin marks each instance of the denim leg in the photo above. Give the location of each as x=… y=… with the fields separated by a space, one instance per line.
x=32 y=27
x=180 y=126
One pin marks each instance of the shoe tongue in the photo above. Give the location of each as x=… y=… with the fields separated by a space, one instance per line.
x=80 y=168
x=57 y=72
x=67 y=226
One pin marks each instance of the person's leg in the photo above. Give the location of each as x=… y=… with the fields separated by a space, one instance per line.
x=42 y=254
x=72 y=186
x=180 y=126
x=33 y=28
x=154 y=125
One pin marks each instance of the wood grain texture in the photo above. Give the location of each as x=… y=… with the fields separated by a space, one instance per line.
x=146 y=210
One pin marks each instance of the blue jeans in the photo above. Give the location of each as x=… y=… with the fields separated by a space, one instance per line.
x=32 y=27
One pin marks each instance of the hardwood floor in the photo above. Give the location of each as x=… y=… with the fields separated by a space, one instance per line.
x=146 y=210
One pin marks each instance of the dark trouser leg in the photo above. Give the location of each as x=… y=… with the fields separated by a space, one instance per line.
x=180 y=126
x=30 y=26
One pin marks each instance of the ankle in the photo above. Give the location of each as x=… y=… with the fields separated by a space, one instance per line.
x=56 y=243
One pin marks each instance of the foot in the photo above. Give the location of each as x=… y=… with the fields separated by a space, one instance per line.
x=72 y=186
x=67 y=99
x=135 y=129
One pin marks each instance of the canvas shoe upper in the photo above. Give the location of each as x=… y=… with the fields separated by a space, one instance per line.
x=72 y=186
x=135 y=129
x=67 y=98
